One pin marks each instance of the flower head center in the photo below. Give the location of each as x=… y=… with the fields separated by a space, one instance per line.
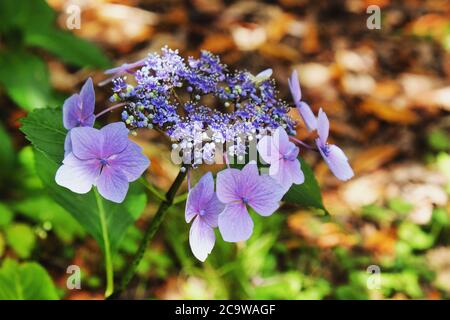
x=325 y=149
x=103 y=162
x=245 y=200
x=202 y=213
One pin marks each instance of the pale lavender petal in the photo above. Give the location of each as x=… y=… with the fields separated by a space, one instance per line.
x=115 y=138
x=72 y=111
x=199 y=196
x=265 y=196
x=112 y=184
x=323 y=126
x=235 y=224
x=265 y=74
x=338 y=163
x=131 y=162
x=294 y=86
x=307 y=115
x=67 y=144
x=227 y=183
x=287 y=172
x=201 y=239
x=281 y=141
x=77 y=175
x=86 y=142
x=268 y=152
x=87 y=95
x=212 y=210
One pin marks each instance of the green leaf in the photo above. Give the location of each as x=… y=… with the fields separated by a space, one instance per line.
x=6 y=215
x=21 y=238
x=7 y=156
x=46 y=132
x=44 y=129
x=44 y=210
x=69 y=48
x=25 y=15
x=28 y=281
x=25 y=79
x=308 y=193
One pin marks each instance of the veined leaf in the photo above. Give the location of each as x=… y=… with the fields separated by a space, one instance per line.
x=28 y=281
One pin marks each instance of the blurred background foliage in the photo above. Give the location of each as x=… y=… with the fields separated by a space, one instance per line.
x=388 y=96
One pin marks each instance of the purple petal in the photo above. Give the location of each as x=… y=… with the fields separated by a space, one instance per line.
x=67 y=144
x=77 y=175
x=86 y=143
x=87 y=95
x=337 y=162
x=267 y=152
x=201 y=239
x=307 y=115
x=265 y=74
x=265 y=195
x=280 y=141
x=228 y=181
x=323 y=126
x=294 y=86
x=212 y=210
x=235 y=224
x=199 y=196
x=72 y=111
x=287 y=172
x=115 y=139
x=131 y=162
x=112 y=184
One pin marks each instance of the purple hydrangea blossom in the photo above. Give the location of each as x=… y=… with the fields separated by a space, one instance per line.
x=303 y=108
x=203 y=207
x=104 y=158
x=239 y=188
x=333 y=155
x=78 y=109
x=166 y=93
x=281 y=154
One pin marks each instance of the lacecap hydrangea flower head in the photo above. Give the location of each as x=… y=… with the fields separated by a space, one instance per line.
x=212 y=115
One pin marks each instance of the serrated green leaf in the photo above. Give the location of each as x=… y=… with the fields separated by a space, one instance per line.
x=25 y=79
x=68 y=48
x=44 y=129
x=28 y=281
x=308 y=193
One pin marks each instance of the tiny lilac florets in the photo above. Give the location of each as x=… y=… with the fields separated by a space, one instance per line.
x=174 y=96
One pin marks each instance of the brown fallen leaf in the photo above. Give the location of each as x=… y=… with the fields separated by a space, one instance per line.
x=374 y=158
x=388 y=112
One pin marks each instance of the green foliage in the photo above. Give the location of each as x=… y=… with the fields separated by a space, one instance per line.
x=28 y=281
x=21 y=238
x=439 y=140
x=24 y=76
x=7 y=156
x=308 y=193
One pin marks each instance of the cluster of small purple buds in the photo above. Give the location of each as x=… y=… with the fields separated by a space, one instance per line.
x=175 y=96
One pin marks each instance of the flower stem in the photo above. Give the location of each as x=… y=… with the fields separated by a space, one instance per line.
x=307 y=146
x=150 y=232
x=107 y=248
x=110 y=109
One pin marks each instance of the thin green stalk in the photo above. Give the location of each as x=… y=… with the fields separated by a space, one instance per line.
x=107 y=248
x=152 y=189
x=149 y=233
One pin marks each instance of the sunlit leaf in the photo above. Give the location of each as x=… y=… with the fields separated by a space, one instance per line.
x=28 y=281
